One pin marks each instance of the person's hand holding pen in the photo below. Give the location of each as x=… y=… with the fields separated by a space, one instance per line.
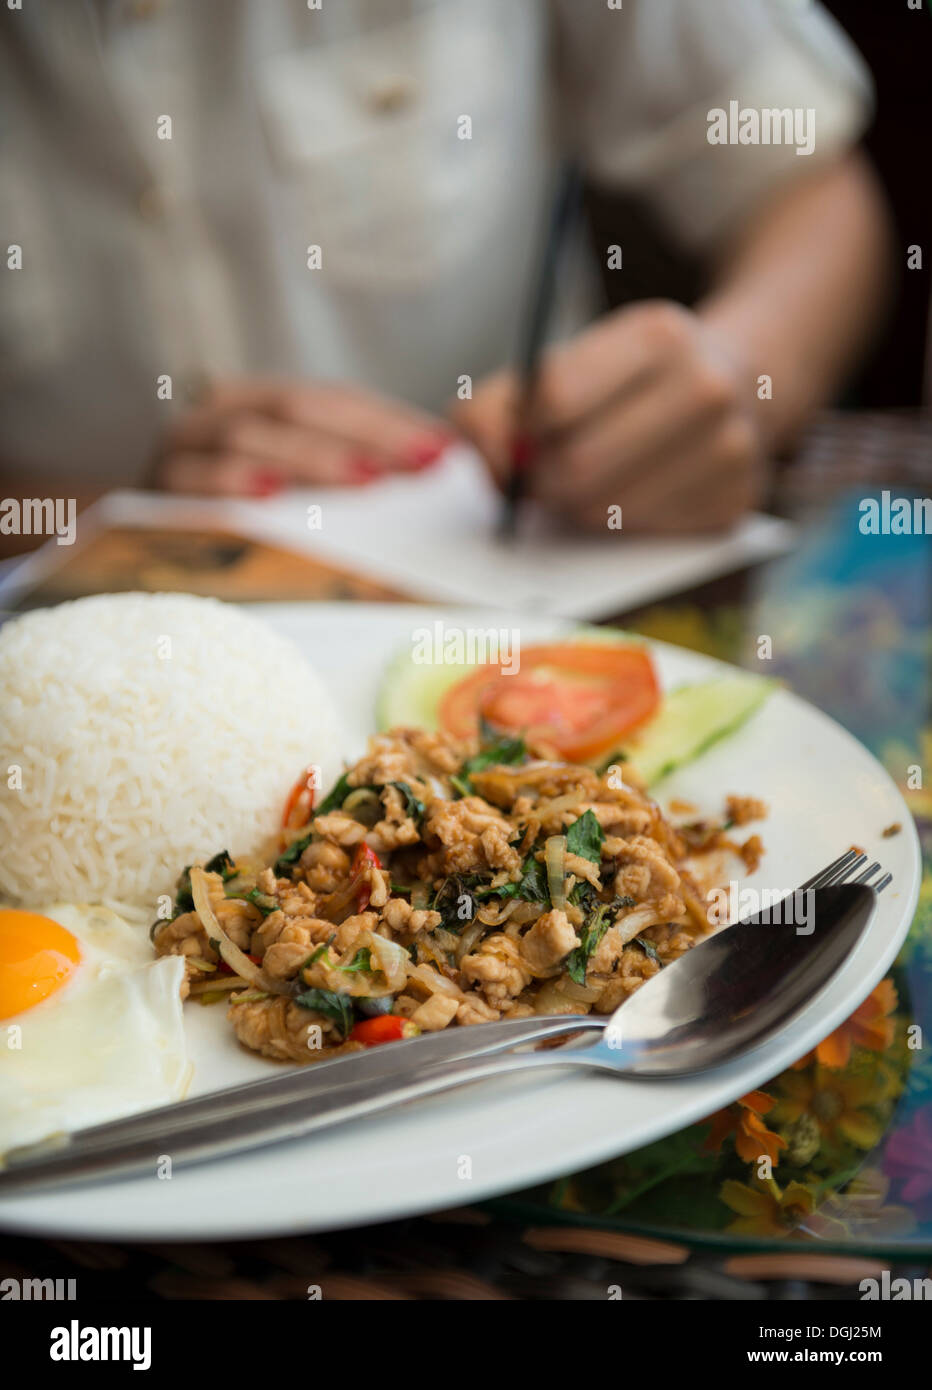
x=254 y=437
x=645 y=410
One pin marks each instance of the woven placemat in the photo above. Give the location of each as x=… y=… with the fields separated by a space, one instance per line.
x=458 y=1255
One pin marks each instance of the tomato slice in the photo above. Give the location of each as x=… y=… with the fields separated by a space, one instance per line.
x=579 y=698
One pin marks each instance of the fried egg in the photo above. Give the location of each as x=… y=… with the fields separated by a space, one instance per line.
x=90 y=1025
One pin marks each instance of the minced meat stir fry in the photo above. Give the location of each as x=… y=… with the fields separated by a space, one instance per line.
x=440 y=883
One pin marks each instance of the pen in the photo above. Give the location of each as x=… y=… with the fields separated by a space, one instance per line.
x=540 y=300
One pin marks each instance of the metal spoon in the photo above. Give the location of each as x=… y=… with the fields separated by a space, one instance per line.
x=730 y=994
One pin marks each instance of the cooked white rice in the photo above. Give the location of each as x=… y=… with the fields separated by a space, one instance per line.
x=151 y=730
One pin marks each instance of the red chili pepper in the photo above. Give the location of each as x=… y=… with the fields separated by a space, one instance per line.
x=227 y=970
x=363 y=859
x=300 y=801
x=385 y=1028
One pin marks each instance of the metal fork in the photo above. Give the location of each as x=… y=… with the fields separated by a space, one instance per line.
x=644 y=1037
x=841 y=870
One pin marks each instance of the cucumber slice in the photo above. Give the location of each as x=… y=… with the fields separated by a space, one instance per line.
x=607 y=635
x=689 y=720
x=411 y=691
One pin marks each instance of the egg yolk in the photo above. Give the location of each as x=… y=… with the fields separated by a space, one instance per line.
x=37 y=957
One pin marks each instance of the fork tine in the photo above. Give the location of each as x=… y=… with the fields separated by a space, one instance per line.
x=817 y=878
x=842 y=868
x=844 y=874
x=837 y=871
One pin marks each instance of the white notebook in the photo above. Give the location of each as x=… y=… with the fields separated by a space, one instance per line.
x=434 y=536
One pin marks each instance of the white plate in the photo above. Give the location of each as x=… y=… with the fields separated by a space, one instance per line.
x=825 y=793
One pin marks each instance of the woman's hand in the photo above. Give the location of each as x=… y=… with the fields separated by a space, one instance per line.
x=645 y=411
x=252 y=438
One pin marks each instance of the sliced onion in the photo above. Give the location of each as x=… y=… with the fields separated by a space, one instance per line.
x=336 y=907
x=493 y=917
x=468 y=939
x=236 y=959
x=632 y=923
x=392 y=959
x=527 y=912
x=363 y=805
x=583 y=994
x=434 y=981
x=429 y=950
x=549 y=999
x=555 y=860
x=567 y=802
x=420 y=896
x=217 y=986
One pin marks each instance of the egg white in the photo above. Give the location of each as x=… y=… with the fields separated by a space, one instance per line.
x=110 y=1042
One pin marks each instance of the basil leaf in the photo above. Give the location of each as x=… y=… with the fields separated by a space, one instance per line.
x=584 y=837
x=337 y=1007
x=335 y=798
x=455 y=900
x=593 y=930
x=532 y=886
x=184 y=898
x=505 y=751
x=413 y=806
x=487 y=732
x=221 y=864
x=361 y=961
x=291 y=855
x=619 y=756
x=584 y=896
x=591 y=934
x=263 y=901
x=649 y=949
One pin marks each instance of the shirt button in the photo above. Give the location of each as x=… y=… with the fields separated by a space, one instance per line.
x=391 y=94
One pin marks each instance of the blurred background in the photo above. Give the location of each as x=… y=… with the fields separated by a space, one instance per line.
x=896 y=49
x=192 y=188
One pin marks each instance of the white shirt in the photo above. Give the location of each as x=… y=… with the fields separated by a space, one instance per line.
x=410 y=140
